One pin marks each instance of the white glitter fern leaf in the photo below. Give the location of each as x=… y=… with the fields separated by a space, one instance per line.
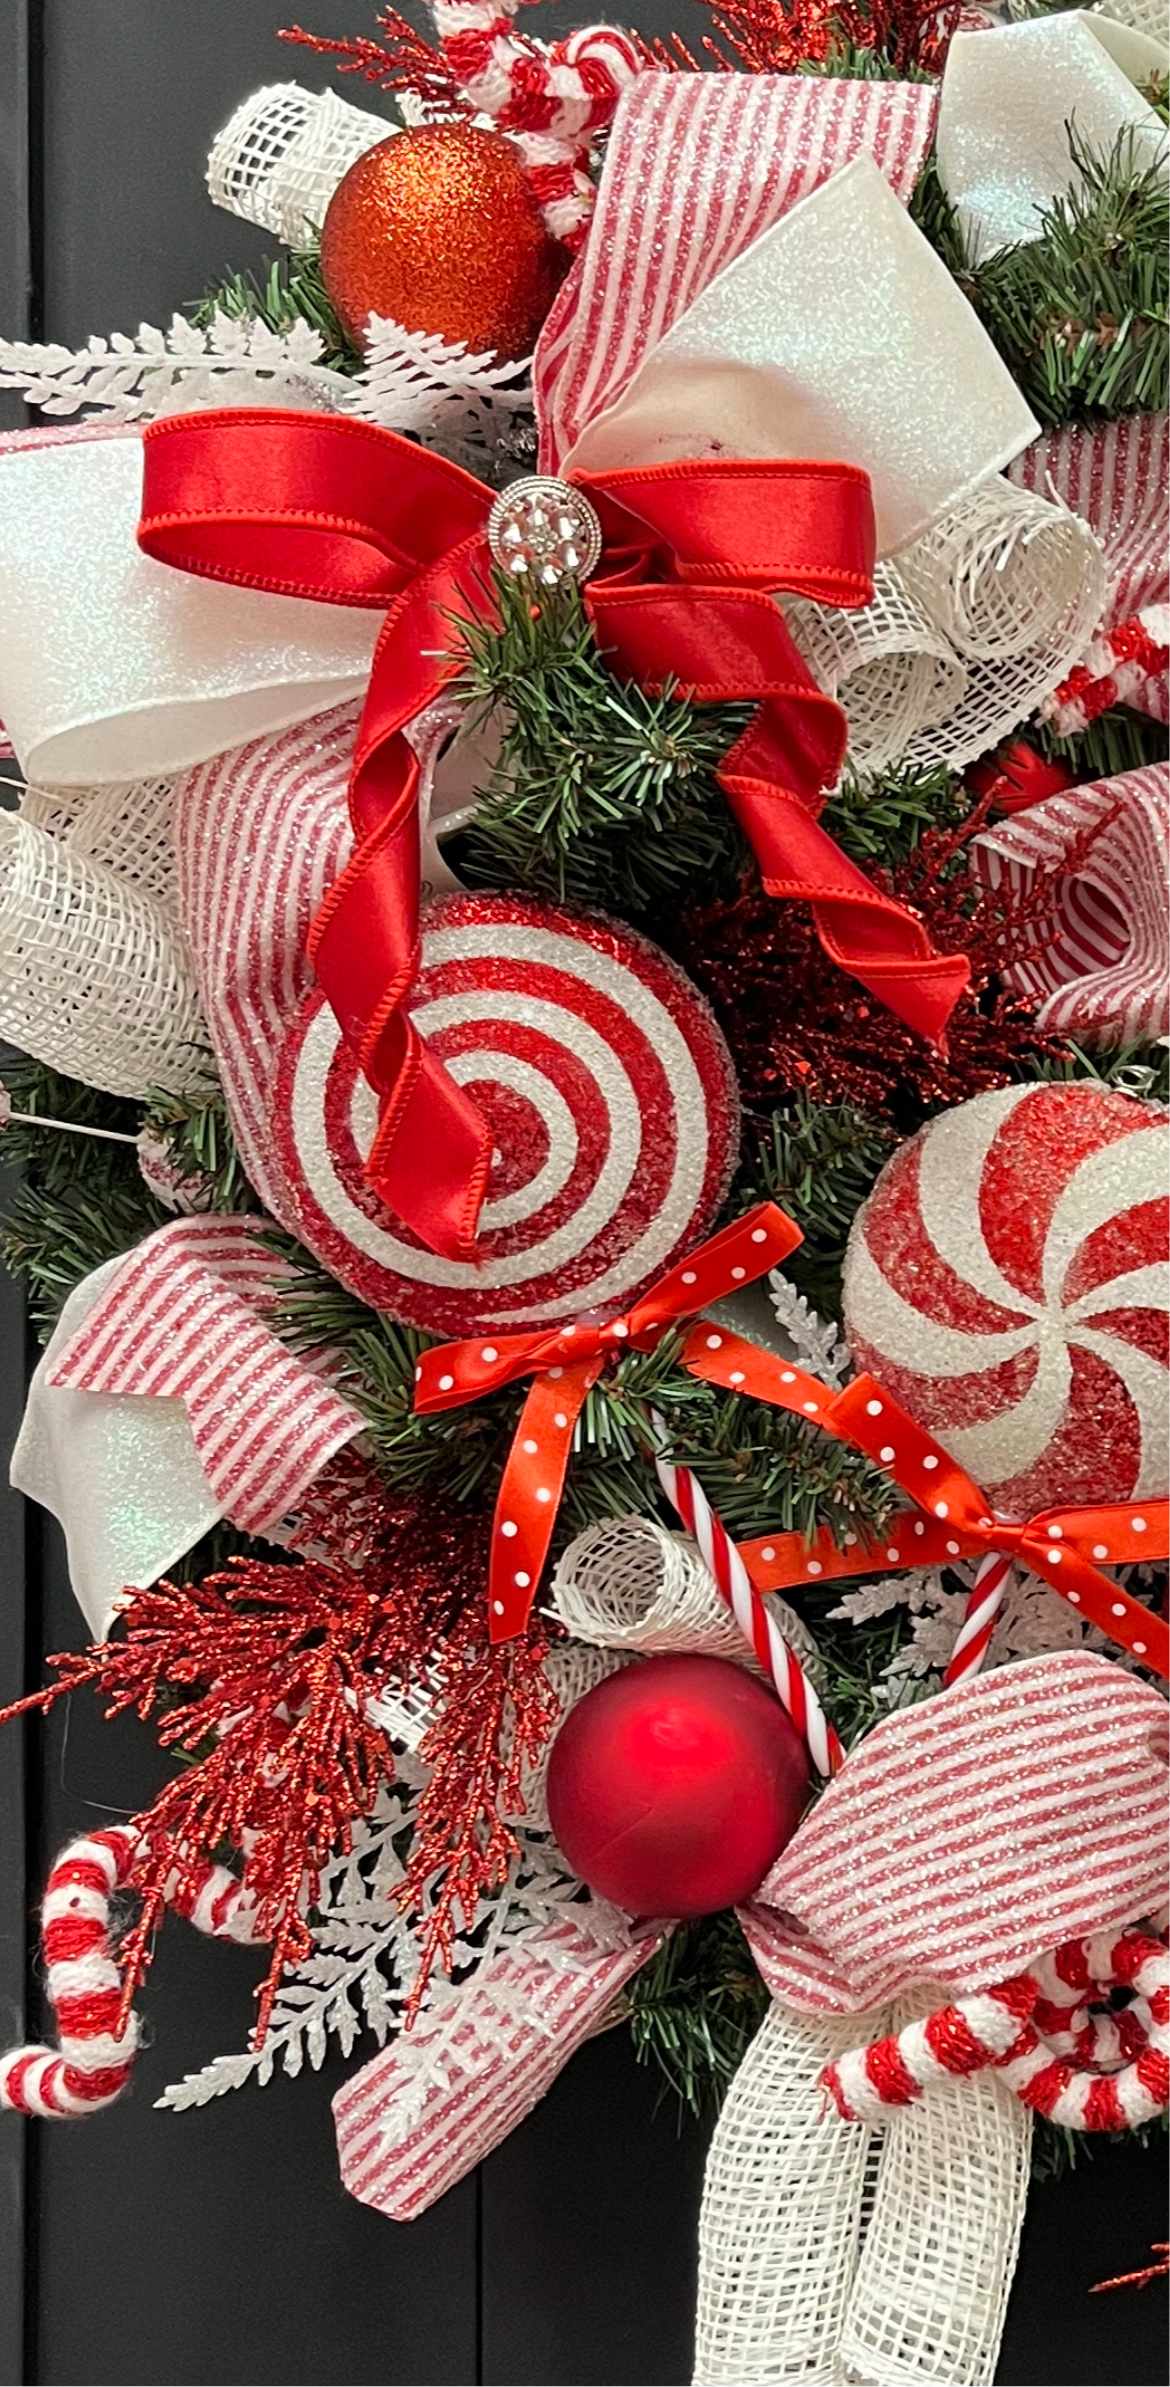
x=234 y=361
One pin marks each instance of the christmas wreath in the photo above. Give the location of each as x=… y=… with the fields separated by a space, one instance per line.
x=585 y=942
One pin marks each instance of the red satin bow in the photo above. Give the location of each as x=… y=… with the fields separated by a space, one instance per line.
x=951 y=1517
x=566 y=1361
x=320 y=507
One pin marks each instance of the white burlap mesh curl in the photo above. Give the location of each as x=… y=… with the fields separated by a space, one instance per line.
x=1145 y=16
x=628 y=1584
x=894 y=672
x=95 y=979
x=970 y=629
x=939 y=2250
x=783 y=2200
x=125 y=826
x=279 y=159
x=1002 y=574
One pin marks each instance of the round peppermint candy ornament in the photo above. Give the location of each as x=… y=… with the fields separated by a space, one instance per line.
x=1007 y=1280
x=611 y=1100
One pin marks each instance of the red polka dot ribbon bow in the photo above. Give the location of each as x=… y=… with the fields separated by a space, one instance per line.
x=950 y=1518
x=318 y=507
x=565 y=1362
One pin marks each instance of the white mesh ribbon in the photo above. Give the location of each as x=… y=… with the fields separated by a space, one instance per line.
x=96 y=977
x=126 y=826
x=970 y=630
x=986 y=594
x=779 y=2230
x=1009 y=100
x=628 y=1584
x=280 y=158
x=939 y=2246
x=114 y=667
x=1145 y=16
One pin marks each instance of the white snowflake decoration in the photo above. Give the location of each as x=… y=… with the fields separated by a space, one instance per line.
x=234 y=361
x=1031 y=1621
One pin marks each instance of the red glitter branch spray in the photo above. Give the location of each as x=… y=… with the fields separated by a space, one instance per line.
x=262 y=1677
x=405 y=61
x=777 y=37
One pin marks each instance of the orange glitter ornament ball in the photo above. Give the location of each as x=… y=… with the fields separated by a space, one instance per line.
x=438 y=228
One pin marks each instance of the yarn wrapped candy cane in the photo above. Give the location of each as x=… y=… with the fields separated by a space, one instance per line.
x=825 y=2255
x=553 y=101
x=1023 y=2027
x=94 y=2060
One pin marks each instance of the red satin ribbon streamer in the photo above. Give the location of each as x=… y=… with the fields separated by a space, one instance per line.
x=950 y=1517
x=566 y=1361
x=320 y=507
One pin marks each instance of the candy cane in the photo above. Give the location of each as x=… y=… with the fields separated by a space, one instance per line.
x=984 y=1601
x=758 y=1626
x=553 y=101
x=1021 y=2026
x=93 y=2063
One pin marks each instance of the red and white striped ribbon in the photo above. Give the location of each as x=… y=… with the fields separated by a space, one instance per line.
x=987 y=1595
x=743 y=149
x=93 y=2061
x=1023 y=2028
x=183 y=1319
x=758 y=1626
x=443 y=2095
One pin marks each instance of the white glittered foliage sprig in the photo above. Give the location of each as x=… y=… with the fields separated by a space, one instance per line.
x=365 y=1958
x=233 y=360
x=463 y=405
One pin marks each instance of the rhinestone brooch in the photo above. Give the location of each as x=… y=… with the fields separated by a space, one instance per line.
x=547 y=529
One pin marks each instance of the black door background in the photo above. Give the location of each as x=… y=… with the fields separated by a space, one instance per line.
x=218 y=2246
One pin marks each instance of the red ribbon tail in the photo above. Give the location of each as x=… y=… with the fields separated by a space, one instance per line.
x=530 y=1494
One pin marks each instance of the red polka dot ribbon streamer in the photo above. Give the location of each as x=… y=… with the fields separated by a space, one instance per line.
x=327 y=509
x=949 y=1518
x=566 y=1361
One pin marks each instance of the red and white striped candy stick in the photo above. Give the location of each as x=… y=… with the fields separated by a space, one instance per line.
x=92 y=2065
x=758 y=1626
x=552 y=99
x=984 y=1601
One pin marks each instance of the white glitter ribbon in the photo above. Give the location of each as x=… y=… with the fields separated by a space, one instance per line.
x=115 y=667
x=986 y=594
x=1009 y=100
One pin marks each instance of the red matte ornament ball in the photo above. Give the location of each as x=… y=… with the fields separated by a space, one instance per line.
x=674 y=1785
x=438 y=228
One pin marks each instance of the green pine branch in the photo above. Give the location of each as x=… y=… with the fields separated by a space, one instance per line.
x=694 y=2009
x=818 y=1161
x=77 y=1203
x=290 y=289
x=201 y=1146
x=762 y=1469
x=602 y=793
x=1117 y=741
x=1080 y=315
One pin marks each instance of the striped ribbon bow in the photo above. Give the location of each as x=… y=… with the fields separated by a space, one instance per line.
x=566 y=1361
x=950 y=1517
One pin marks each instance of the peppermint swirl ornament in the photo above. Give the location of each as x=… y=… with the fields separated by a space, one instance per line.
x=611 y=1098
x=1007 y=1280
